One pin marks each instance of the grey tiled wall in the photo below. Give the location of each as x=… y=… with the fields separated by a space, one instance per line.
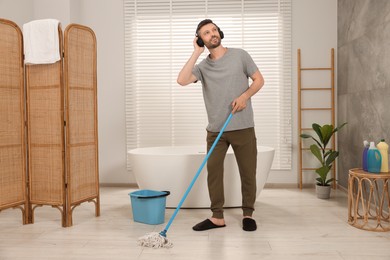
x=363 y=78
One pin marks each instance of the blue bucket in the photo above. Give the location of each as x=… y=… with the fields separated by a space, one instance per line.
x=149 y=206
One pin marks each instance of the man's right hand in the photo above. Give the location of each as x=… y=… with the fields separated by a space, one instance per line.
x=197 y=48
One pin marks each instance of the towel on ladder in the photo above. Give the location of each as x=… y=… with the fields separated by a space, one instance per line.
x=41 y=41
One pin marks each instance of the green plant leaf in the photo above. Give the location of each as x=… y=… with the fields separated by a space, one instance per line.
x=320 y=181
x=323 y=172
x=316 y=151
x=327 y=132
x=306 y=136
x=329 y=181
x=332 y=156
x=327 y=153
x=317 y=129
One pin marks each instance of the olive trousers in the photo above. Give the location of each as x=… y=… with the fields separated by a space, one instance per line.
x=244 y=145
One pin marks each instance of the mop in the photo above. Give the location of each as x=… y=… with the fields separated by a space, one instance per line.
x=158 y=240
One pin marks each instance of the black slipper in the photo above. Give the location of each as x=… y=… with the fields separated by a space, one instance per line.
x=206 y=225
x=249 y=224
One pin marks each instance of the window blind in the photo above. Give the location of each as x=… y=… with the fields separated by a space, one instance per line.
x=158 y=42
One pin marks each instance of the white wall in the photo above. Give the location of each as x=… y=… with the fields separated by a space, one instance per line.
x=314 y=31
x=18 y=11
x=106 y=19
x=57 y=9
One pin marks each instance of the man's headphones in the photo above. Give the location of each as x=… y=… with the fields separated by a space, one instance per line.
x=200 y=42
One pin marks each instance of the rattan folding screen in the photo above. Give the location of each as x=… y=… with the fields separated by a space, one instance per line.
x=13 y=192
x=61 y=116
x=81 y=110
x=45 y=138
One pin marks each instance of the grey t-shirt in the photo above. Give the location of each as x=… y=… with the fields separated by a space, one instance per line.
x=224 y=80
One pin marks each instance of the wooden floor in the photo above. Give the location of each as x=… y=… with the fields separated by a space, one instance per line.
x=292 y=224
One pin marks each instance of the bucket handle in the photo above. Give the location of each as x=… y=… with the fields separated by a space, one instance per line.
x=156 y=196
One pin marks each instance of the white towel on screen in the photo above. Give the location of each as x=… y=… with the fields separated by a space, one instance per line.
x=41 y=41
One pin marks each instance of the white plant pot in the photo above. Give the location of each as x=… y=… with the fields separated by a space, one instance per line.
x=323 y=192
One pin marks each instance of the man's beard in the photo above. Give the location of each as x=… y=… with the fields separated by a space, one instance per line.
x=211 y=45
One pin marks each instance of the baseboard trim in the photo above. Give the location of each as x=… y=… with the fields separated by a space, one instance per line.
x=286 y=186
x=267 y=185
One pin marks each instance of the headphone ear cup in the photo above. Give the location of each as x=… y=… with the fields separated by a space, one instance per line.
x=221 y=33
x=200 y=42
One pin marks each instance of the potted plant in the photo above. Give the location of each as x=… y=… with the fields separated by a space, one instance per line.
x=324 y=156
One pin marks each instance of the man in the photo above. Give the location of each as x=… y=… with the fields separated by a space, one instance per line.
x=224 y=75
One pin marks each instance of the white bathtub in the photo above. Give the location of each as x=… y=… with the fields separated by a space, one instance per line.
x=172 y=168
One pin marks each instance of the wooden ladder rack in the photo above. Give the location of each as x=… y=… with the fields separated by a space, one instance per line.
x=331 y=109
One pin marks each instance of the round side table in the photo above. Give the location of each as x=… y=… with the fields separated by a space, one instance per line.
x=368 y=200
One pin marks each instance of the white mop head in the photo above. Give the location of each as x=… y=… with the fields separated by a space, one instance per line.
x=154 y=240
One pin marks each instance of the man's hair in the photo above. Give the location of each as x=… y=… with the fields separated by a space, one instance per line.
x=203 y=23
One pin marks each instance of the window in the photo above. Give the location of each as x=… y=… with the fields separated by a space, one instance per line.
x=158 y=42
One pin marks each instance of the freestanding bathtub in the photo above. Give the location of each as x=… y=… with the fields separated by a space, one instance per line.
x=172 y=168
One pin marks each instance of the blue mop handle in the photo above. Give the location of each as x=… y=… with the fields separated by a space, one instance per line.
x=163 y=233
